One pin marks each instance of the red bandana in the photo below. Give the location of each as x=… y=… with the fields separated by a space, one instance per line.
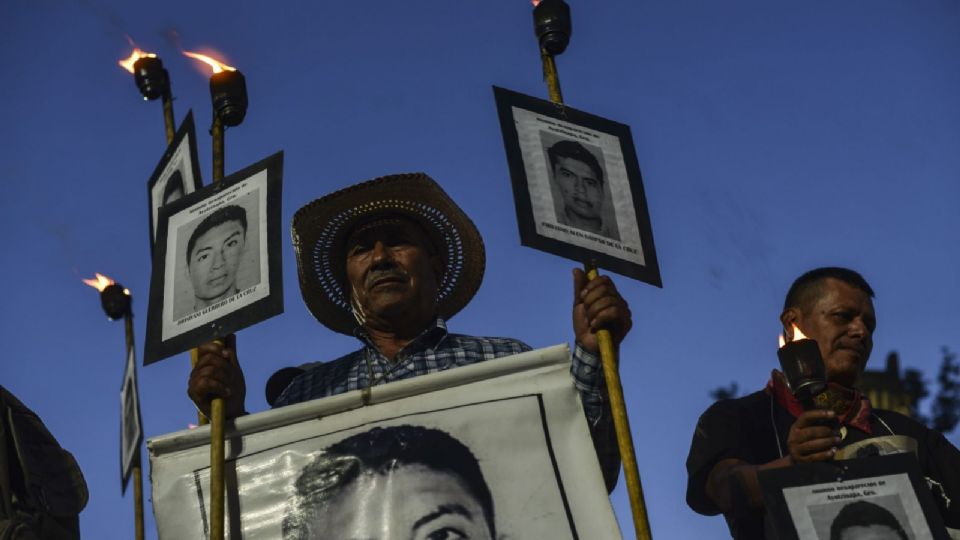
x=852 y=407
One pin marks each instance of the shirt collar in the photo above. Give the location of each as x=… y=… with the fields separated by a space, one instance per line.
x=430 y=338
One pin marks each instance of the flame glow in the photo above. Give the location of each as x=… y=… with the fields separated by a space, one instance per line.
x=535 y=2
x=134 y=56
x=797 y=335
x=101 y=283
x=215 y=65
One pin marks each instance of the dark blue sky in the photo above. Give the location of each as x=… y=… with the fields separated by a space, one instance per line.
x=773 y=138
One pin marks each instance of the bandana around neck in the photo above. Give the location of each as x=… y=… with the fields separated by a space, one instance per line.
x=852 y=408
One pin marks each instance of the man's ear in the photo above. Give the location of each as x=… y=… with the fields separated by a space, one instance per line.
x=788 y=318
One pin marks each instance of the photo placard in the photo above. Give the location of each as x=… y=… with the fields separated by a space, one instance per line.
x=577 y=186
x=131 y=426
x=839 y=499
x=217 y=265
x=177 y=174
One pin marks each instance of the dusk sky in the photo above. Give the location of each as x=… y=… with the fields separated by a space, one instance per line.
x=772 y=137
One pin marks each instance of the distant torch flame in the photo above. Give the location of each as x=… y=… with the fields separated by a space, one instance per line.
x=535 y=2
x=134 y=56
x=797 y=335
x=216 y=65
x=102 y=282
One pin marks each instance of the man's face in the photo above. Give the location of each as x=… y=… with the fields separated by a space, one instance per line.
x=580 y=188
x=411 y=502
x=842 y=321
x=214 y=260
x=390 y=270
x=872 y=532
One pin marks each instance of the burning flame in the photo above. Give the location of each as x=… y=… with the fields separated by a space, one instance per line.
x=216 y=65
x=535 y=2
x=797 y=335
x=102 y=282
x=134 y=56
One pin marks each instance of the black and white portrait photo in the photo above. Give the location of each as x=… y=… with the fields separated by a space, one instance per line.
x=577 y=185
x=401 y=481
x=131 y=430
x=581 y=199
x=486 y=459
x=876 y=498
x=177 y=174
x=217 y=258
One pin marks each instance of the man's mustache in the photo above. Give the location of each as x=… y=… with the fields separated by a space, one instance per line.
x=393 y=273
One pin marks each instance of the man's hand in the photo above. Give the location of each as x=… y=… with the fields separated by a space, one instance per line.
x=813 y=437
x=597 y=305
x=218 y=375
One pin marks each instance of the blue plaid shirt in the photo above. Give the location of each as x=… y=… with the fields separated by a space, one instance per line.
x=433 y=350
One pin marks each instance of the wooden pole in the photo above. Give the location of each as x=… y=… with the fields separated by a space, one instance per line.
x=217 y=416
x=137 y=472
x=621 y=424
x=611 y=373
x=169 y=123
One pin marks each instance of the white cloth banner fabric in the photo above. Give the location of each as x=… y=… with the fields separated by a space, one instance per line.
x=495 y=450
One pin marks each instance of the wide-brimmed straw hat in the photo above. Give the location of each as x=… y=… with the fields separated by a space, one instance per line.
x=320 y=232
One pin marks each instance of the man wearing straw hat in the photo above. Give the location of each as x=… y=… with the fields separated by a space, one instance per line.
x=389 y=261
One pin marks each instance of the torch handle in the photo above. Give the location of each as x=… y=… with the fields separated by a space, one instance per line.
x=551 y=77
x=217 y=419
x=218 y=151
x=169 y=123
x=621 y=424
x=138 y=496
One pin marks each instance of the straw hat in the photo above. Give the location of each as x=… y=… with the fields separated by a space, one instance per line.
x=320 y=232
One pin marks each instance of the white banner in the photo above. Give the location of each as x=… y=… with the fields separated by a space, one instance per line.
x=495 y=450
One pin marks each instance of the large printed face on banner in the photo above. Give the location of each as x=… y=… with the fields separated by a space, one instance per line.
x=397 y=482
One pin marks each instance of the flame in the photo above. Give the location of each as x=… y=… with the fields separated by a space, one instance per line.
x=216 y=65
x=101 y=283
x=535 y=2
x=797 y=335
x=134 y=56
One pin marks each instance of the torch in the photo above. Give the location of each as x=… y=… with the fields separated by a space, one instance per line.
x=803 y=367
x=116 y=302
x=154 y=82
x=228 y=94
x=552 y=25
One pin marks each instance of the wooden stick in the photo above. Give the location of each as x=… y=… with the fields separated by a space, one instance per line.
x=621 y=424
x=137 y=471
x=611 y=374
x=138 y=497
x=217 y=416
x=169 y=123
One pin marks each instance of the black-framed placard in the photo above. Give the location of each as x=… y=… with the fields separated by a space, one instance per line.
x=577 y=185
x=177 y=174
x=131 y=425
x=885 y=495
x=217 y=264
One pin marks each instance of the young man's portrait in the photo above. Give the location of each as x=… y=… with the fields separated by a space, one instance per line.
x=392 y=482
x=577 y=176
x=213 y=255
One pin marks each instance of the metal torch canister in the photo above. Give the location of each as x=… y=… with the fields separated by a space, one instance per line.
x=803 y=367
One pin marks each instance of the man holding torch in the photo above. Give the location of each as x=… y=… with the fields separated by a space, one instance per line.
x=389 y=261
x=735 y=439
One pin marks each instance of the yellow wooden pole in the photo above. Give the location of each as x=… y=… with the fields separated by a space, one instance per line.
x=621 y=424
x=611 y=373
x=138 y=497
x=217 y=416
x=137 y=473
x=169 y=123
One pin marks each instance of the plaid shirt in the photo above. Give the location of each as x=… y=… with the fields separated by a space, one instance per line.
x=433 y=350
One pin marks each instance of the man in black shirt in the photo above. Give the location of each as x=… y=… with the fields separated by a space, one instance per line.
x=769 y=429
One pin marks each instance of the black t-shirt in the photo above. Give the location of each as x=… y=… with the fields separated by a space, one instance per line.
x=754 y=429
